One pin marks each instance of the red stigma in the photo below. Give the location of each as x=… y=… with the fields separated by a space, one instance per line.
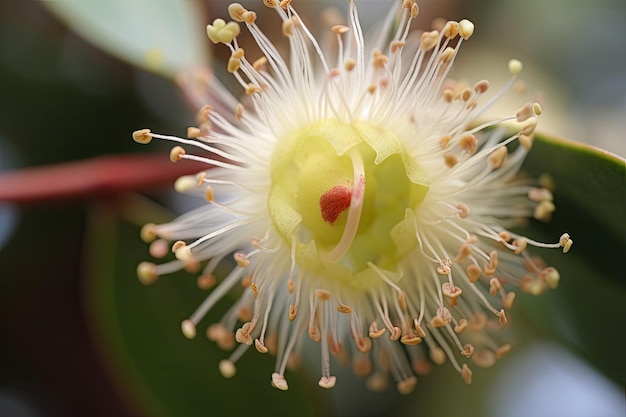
x=334 y=201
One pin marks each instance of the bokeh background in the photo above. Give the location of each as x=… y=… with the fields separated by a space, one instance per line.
x=80 y=336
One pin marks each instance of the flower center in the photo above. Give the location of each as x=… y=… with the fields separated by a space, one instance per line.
x=343 y=196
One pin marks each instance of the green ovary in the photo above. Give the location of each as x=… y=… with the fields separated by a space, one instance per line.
x=313 y=160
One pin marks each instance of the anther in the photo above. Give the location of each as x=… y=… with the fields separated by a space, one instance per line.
x=448 y=95
x=239 y=111
x=327 y=382
x=251 y=89
x=494 y=286
x=142 y=136
x=223 y=32
x=241 y=259
x=450 y=159
x=159 y=248
x=444 y=266
x=396 y=46
x=502 y=351
x=447 y=55
x=437 y=355
x=466 y=373
x=206 y=281
x=270 y=3
x=565 y=242
x=236 y=11
x=508 y=300
x=451 y=29
x=188 y=329
x=193 y=132
x=364 y=344
x=544 y=211
x=502 y=317
x=148 y=232
x=396 y=333
x=233 y=65
x=526 y=141
x=497 y=157
x=350 y=64
x=473 y=272
x=227 y=368
x=259 y=63
x=284 y=4
x=340 y=29
x=468 y=350
x=260 y=347
x=209 y=194
x=176 y=154
x=322 y=295
x=551 y=277
x=293 y=312
x=342 y=308
x=182 y=251
x=255 y=290
x=481 y=86
x=375 y=332
x=418 y=329
x=461 y=326
x=445 y=141
x=450 y=290
x=410 y=339
x=429 y=40
x=407 y=386
x=279 y=381
x=537 y=109
x=288 y=27
x=468 y=143
x=147 y=273
x=202 y=116
x=484 y=358
x=466 y=29
x=442 y=318
x=515 y=67
x=463 y=210
x=415 y=10
x=540 y=194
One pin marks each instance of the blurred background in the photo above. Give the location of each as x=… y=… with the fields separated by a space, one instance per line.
x=80 y=336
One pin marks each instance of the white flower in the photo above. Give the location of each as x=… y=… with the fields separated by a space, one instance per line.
x=363 y=207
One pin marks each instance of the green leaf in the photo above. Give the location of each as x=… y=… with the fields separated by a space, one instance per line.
x=587 y=310
x=161 y=36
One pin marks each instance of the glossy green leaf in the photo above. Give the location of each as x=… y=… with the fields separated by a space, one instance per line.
x=162 y=36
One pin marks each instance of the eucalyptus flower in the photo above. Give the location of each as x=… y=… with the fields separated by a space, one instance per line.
x=361 y=200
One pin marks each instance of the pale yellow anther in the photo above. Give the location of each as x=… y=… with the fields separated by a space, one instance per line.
x=508 y=300
x=484 y=358
x=209 y=194
x=448 y=95
x=200 y=178
x=410 y=340
x=497 y=157
x=415 y=10
x=502 y=318
x=176 y=154
x=233 y=65
x=185 y=183
x=493 y=261
x=407 y=386
x=291 y=286
x=551 y=276
x=260 y=63
x=239 y=111
x=397 y=46
x=236 y=11
x=524 y=113
x=445 y=141
x=520 y=245
x=537 y=109
x=540 y=194
x=375 y=332
x=502 y=351
x=379 y=61
x=147 y=273
x=468 y=143
x=396 y=333
x=202 y=116
x=466 y=29
x=241 y=259
x=293 y=312
x=378 y=382
x=327 y=382
x=249 y=17
x=466 y=94
x=466 y=373
x=494 y=286
x=473 y=272
x=342 y=308
x=227 y=368
x=506 y=236
x=260 y=347
x=544 y=210
x=407 y=4
x=565 y=237
x=460 y=326
x=444 y=266
x=223 y=32
x=142 y=136
x=468 y=350
x=372 y=88
x=450 y=159
x=451 y=29
x=314 y=334
x=251 y=89
x=322 y=295
x=418 y=329
x=148 y=232
x=533 y=286
x=515 y=67
x=285 y=3
x=437 y=355
x=567 y=245
x=340 y=29
x=288 y=27
x=279 y=382
x=206 y=281
x=450 y=290
x=193 y=132
x=442 y=318
x=429 y=40
x=447 y=55
x=349 y=65
x=188 y=328
x=270 y=3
